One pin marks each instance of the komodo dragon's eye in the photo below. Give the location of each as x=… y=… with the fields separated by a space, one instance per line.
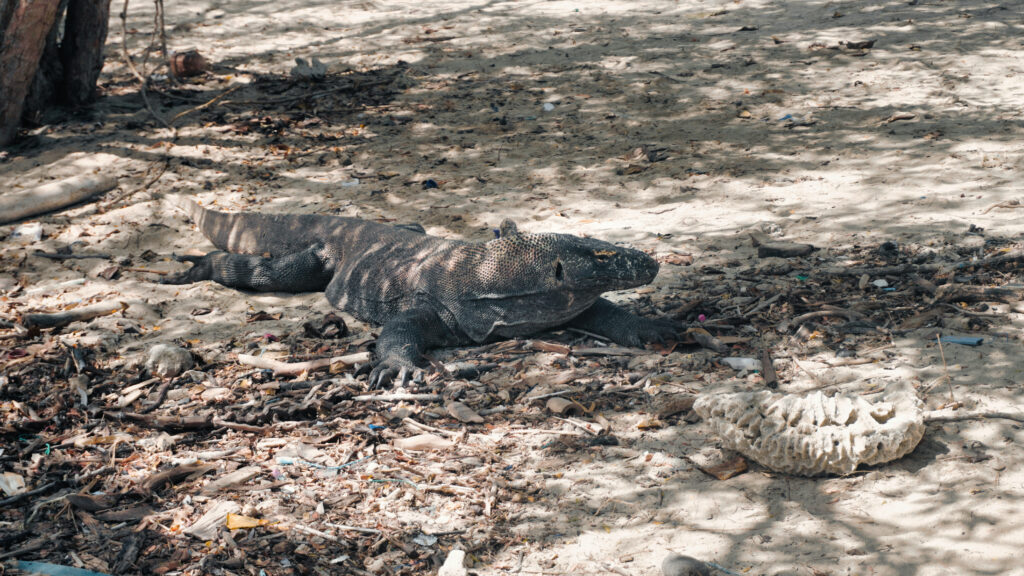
x=603 y=255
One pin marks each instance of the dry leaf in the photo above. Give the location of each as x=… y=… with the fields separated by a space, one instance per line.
x=562 y=406
x=423 y=442
x=236 y=521
x=463 y=413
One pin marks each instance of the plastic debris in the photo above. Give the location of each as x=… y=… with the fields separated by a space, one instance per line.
x=28 y=233
x=962 y=340
x=548 y=106
x=54 y=569
x=742 y=363
x=12 y=484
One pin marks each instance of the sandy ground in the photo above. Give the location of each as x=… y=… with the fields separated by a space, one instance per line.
x=670 y=126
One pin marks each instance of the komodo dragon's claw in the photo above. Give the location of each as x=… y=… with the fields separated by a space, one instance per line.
x=647 y=330
x=200 y=270
x=388 y=371
x=658 y=330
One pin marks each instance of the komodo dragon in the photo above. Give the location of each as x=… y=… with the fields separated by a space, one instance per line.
x=427 y=291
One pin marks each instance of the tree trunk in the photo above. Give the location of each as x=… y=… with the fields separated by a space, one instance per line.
x=20 y=51
x=81 y=52
x=6 y=11
x=43 y=91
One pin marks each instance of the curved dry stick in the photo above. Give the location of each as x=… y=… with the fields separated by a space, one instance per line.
x=135 y=72
x=294 y=368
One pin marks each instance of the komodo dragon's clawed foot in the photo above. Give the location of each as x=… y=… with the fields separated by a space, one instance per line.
x=655 y=330
x=202 y=269
x=389 y=371
x=625 y=328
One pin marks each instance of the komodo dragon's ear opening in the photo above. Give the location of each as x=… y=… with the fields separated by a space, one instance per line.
x=507 y=228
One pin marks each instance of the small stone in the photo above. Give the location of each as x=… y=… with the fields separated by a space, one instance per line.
x=215 y=395
x=168 y=361
x=773 y=266
x=679 y=565
x=453 y=564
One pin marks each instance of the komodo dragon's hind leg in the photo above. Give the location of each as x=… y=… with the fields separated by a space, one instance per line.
x=307 y=271
x=623 y=327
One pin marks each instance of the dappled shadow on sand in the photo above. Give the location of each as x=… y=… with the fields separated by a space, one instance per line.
x=538 y=112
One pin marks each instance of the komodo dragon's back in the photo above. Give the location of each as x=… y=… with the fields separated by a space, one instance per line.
x=428 y=291
x=282 y=234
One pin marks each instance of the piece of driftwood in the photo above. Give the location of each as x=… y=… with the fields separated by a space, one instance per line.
x=771 y=378
x=792 y=323
x=53 y=196
x=398 y=398
x=766 y=248
x=969 y=293
x=58 y=319
x=951 y=416
x=294 y=368
x=199 y=422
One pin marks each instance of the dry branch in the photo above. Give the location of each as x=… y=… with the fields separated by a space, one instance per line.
x=53 y=196
x=944 y=416
x=397 y=398
x=58 y=319
x=294 y=368
x=968 y=293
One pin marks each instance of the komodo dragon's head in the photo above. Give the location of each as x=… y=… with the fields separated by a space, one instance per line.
x=529 y=282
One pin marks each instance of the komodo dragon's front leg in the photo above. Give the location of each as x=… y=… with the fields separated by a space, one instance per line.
x=307 y=271
x=403 y=340
x=623 y=327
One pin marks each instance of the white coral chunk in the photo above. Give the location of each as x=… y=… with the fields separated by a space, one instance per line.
x=815 y=434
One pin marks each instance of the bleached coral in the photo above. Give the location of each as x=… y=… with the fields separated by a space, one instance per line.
x=815 y=434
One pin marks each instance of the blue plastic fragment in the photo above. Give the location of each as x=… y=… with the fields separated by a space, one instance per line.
x=964 y=340
x=55 y=569
x=286 y=461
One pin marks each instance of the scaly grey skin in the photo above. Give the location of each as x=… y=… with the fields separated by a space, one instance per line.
x=427 y=291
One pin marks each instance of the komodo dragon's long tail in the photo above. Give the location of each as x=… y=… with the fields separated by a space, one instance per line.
x=251 y=233
x=225 y=230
